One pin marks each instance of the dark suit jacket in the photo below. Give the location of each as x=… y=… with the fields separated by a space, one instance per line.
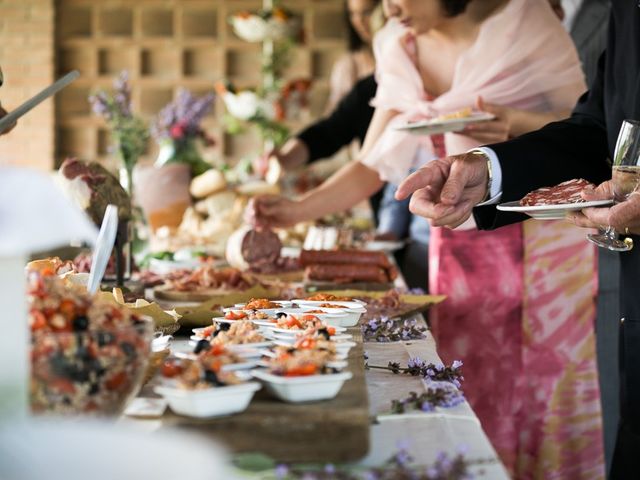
x=589 y=33
x=579 y=147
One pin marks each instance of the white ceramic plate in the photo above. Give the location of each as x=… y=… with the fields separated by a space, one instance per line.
x=212 y=402
x=303 y=389
x=384 y=245
x=435 y=126
x=550 y=212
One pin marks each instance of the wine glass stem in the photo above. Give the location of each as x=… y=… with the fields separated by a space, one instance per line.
x=610 y=233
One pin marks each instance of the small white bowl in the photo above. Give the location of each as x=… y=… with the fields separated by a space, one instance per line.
x=212 y=402
x=353 y=305
x=305 y=388
x=294 y=332
x=353 y=310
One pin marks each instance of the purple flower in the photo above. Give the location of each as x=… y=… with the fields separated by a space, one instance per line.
x=368 y=475
x=427 y=407
x=329 y=469
x=456 y=364
x=281 y=471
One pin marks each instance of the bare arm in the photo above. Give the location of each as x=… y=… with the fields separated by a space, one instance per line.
x=351 y=184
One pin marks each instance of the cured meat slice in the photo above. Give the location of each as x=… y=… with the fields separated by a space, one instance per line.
x=250 y=249
x=563 y=193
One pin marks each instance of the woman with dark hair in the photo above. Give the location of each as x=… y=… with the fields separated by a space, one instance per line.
x=520 y=300
x=358 y=62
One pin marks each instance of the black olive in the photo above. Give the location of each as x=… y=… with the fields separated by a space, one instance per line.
x=80 y=323
x=128 y=349
x=325 y=333
x=280 y=314
x=224 y=326
x=291 y=350
x=66 y=401
x=59 y=364
x=94 y=389
x=211 y=377
x=105 y=338
x=202 y=345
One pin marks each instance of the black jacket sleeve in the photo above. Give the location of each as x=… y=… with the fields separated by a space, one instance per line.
x=573 y=148
x=349 y=120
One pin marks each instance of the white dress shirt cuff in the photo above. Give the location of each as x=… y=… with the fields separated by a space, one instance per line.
x=496 y=184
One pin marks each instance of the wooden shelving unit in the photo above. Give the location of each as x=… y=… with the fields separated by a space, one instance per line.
x=169 y=44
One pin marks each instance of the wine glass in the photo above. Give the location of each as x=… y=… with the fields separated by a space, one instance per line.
x=625 y=178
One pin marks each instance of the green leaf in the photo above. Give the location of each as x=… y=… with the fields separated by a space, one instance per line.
x=254 y=462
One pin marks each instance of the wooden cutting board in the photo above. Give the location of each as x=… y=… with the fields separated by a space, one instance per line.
x=328 y=432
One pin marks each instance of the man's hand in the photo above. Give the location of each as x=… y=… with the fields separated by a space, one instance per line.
x=624 y=217
x=446 y=190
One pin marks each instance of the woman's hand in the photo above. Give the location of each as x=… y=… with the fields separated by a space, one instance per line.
x=624 y=217
x=266 y=211
x=492 y=131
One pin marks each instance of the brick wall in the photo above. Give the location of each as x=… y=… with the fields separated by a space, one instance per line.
x=27 y=61
x=164 y=44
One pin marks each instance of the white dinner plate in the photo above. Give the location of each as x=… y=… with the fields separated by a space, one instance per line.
x=435 y=126
x=384 y=245
x=550 y=212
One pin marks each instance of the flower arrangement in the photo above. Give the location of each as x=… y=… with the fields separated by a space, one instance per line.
x=274 y=24
x=128 y=132
x=384 y=329
x=177 y=127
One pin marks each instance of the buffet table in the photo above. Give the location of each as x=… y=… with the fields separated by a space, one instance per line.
x=425 y=435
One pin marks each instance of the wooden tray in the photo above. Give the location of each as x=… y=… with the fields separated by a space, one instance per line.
x=328 y=432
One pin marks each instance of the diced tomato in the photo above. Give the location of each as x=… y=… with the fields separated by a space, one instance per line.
x=235 y=316
x=208 y=331
x=38 y=320
x=217 y=349
x=307 y=343
x=293 y=322
x=62 y=385
x=47 y=272
x=68 y=309
x=116 y=381
x=171 y=369
x=331 y=330
x=302 y=371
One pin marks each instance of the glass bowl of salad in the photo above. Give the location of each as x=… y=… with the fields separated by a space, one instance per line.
x=88 y=354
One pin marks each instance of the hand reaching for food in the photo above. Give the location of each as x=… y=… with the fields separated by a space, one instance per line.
x=272 y=211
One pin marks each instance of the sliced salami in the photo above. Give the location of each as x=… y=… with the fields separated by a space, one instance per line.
x=561 y=194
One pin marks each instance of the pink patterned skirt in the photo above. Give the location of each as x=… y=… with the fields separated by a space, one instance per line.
x=520 y=313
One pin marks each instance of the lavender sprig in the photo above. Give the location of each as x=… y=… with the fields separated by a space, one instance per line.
x=429 y=371
x=180 y=119
x=436 y=396
x=129 y=132
x=384 y=329
x=399 y=467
